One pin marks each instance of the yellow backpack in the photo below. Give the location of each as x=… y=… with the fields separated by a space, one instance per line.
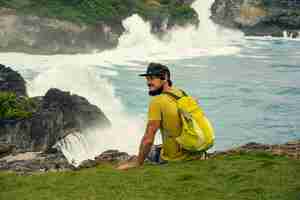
x=197 y=132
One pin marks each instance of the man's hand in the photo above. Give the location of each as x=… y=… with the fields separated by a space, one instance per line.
x=132 y=163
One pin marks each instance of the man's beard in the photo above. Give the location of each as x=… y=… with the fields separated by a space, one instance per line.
x=156 y=92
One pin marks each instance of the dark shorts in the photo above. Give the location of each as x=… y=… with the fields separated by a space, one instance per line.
x=154 y=155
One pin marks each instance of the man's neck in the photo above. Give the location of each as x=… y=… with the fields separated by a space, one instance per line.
x=166 y=88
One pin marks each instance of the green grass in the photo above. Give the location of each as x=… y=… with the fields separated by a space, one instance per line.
x=238 y=177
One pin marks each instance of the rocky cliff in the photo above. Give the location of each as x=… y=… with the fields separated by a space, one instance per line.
x=39 y=35
x=259 y=17
x=61 y=26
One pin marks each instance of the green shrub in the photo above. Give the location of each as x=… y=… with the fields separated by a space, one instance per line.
x=12 y=107
x=181 y=14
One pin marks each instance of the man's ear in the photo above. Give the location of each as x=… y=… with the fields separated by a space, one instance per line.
x=164 y=77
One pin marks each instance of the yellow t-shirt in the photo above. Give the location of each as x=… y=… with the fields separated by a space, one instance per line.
x=163 y=108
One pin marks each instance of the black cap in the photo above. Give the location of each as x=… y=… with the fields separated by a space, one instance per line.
x=156 y=69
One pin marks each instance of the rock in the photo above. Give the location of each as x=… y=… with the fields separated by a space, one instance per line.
x=57 y=114
x=87 y=164
x=290 y=149
x=11 y=81
x=77 y=111
x=112 y=155
x=6 y=149
x=258 y=17
x=35 y=162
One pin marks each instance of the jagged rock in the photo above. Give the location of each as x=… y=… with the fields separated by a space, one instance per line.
x=258 y=17
x=57 y=114
x=77 y=111
x=11 y=81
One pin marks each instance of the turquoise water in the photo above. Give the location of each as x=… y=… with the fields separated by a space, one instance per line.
x=252 y=96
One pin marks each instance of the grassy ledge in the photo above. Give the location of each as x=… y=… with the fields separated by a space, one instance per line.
x=247 y=176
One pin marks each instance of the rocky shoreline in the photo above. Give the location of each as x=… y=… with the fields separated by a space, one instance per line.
x=38 y=162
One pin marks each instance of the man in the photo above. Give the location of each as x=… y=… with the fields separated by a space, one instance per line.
x=163 y=115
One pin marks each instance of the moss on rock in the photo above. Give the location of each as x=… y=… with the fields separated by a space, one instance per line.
x=13 y=107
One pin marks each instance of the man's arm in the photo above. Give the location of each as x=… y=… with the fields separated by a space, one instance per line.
x=147 y=141
x=145 y=146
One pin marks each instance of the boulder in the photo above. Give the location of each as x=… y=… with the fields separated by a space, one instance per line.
x=87 y=164
x=76 y=110
x=259 y=17
x=112 y=155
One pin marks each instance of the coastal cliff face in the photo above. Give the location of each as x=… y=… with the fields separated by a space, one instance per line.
x=80 y=27
x=259 y=17
x=33 y=34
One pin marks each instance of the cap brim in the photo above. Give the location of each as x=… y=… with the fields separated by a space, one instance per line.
x=149 y=74
x=144 y=75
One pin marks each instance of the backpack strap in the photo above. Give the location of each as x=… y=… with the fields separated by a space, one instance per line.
x=172 y=95
x=175 y=96
x=184 y=93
